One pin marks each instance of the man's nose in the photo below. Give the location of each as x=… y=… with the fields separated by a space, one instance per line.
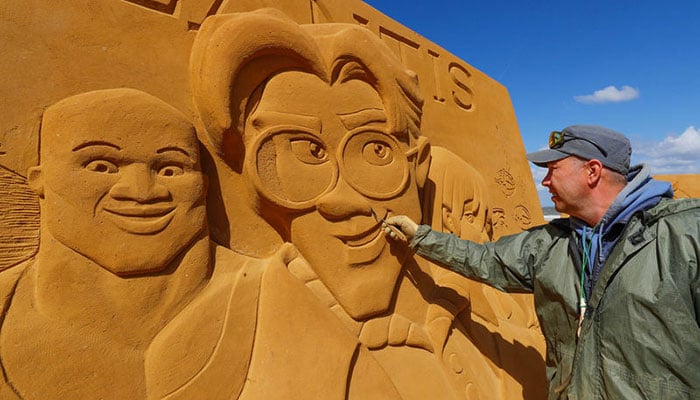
x=547 y=179
x=342 y=202
x=138 y=183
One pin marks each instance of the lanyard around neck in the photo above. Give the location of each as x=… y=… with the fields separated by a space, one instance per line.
x=585 y=261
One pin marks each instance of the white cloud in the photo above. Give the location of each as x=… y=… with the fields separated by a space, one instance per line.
x=610 y=94
x=673 y=155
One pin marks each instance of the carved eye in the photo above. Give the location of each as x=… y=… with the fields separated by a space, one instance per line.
x=170 y=170
x=377 y=153
x=308 y=151
x=468 y=216
x=102 y=167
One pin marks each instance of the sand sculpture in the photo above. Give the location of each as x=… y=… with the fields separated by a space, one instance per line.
x=684 y=185
x=233 y=249
x=119 y=198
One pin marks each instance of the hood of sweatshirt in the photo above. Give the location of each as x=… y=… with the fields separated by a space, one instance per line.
x=641 y=193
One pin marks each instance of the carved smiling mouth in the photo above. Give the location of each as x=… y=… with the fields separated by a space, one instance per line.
x=141 y=220
x=365 y=247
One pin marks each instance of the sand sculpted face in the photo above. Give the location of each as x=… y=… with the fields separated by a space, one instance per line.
x=334 y=163
x=460 y=200
x=313 y=128
x=120 y=179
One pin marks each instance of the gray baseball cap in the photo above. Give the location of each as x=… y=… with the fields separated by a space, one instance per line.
x=589 y=142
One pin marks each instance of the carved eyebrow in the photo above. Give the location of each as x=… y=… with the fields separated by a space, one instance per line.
x=173 y=148
x=264 y=119
x=362 y=117
x=95 y=143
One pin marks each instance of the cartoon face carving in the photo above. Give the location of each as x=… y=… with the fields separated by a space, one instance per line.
x=120 y=180
x=330 y=163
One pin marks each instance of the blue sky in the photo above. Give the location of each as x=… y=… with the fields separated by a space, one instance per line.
x=630 y=65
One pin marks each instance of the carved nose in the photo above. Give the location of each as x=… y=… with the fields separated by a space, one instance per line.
x=342 y=202
x=139 y=184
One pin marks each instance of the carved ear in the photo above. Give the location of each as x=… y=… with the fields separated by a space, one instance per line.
x=448 y=221
x=35 y=180
x=422 y=161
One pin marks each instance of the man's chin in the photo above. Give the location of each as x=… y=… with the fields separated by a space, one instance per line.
x=557 y=204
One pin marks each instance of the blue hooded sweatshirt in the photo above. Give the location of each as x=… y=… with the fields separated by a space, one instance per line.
x=595 y=243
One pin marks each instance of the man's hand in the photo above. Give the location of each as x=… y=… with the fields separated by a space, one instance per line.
x=404 y=225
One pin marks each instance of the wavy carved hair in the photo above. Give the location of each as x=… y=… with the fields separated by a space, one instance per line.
x=234 y=55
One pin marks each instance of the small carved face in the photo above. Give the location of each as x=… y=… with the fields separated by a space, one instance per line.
x=465 y=219
x=120 y=180
x=322 y=152
x=461 y=206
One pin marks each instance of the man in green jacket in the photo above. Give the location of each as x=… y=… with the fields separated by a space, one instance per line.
x=616 y=285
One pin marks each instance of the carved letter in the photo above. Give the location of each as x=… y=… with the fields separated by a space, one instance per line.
x=459 y=75
x=438 y=96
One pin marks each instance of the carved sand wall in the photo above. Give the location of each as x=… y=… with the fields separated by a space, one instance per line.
x=192 y=193
x=684 y=185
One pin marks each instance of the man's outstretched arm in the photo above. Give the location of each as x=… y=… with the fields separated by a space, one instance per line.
x=499 y=264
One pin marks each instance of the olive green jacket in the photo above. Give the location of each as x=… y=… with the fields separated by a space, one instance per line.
x=641 y=335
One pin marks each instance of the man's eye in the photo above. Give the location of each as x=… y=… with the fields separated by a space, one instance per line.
x=102 y=166
x=308 y=151
x=377 y=153
x=170 y=170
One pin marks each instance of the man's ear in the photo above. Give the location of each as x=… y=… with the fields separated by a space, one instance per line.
x=422 y=161
x=594 y=169
x=35 y=180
